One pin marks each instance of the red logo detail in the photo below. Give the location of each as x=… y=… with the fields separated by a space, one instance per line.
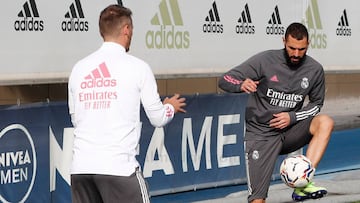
x=232 y=80
x=274 y=78
x=99 y=77
x=101 y=72
x=169 y=112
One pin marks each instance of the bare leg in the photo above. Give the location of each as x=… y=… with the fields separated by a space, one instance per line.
x=321 y=128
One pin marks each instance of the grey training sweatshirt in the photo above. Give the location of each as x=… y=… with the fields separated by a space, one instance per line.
x=282 y=88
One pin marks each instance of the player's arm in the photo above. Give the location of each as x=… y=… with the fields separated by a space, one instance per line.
x=242 y=78
x=280 y=120
x=285 y=119
x=316 y=100
x=231 y=81
x=177 y=102
x=159 y=113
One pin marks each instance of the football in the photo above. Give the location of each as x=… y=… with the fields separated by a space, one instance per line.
x=296 y=171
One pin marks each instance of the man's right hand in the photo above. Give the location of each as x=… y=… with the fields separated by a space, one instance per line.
x=177 y=102
x=249 y=86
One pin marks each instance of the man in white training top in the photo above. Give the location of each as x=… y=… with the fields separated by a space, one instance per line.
x=106 y=90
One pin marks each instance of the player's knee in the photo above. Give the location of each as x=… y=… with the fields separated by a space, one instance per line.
x=323 y=124
x=327 y=123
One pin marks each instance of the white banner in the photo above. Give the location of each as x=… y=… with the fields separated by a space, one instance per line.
x=41 y=40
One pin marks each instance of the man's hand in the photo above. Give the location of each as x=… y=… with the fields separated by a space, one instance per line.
x=177 y=102
x=280 y=120
x=249 y=86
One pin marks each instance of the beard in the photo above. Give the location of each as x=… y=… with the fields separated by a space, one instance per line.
x=293 y=61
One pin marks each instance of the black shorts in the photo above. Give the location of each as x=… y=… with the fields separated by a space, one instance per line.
x=92 y=188
x=262 y=154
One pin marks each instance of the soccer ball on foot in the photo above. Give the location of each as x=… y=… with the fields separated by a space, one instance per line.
x=296 y=171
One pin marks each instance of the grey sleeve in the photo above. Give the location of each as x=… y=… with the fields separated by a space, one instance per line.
x=231 y=81
x=316 y=99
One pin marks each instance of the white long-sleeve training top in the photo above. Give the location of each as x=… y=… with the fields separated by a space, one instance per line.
x=106 y=90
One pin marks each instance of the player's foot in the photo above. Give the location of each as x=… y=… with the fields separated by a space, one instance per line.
x=310 y=191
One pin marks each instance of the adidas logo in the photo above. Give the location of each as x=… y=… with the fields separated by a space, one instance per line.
x=343 y=29
x=313 y=21
x=167 y=35
x=212 y=20
x=275 y=27
x=30 y=18
x=274 y=78
x=99 y=77
x=74 y=19
x=245 y=22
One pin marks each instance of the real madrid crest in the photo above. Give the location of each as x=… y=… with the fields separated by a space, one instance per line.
x=305 y=83
x=255 y=155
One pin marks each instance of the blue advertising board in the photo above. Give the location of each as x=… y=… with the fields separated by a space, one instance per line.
x=202 y=148
x=198 y=149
